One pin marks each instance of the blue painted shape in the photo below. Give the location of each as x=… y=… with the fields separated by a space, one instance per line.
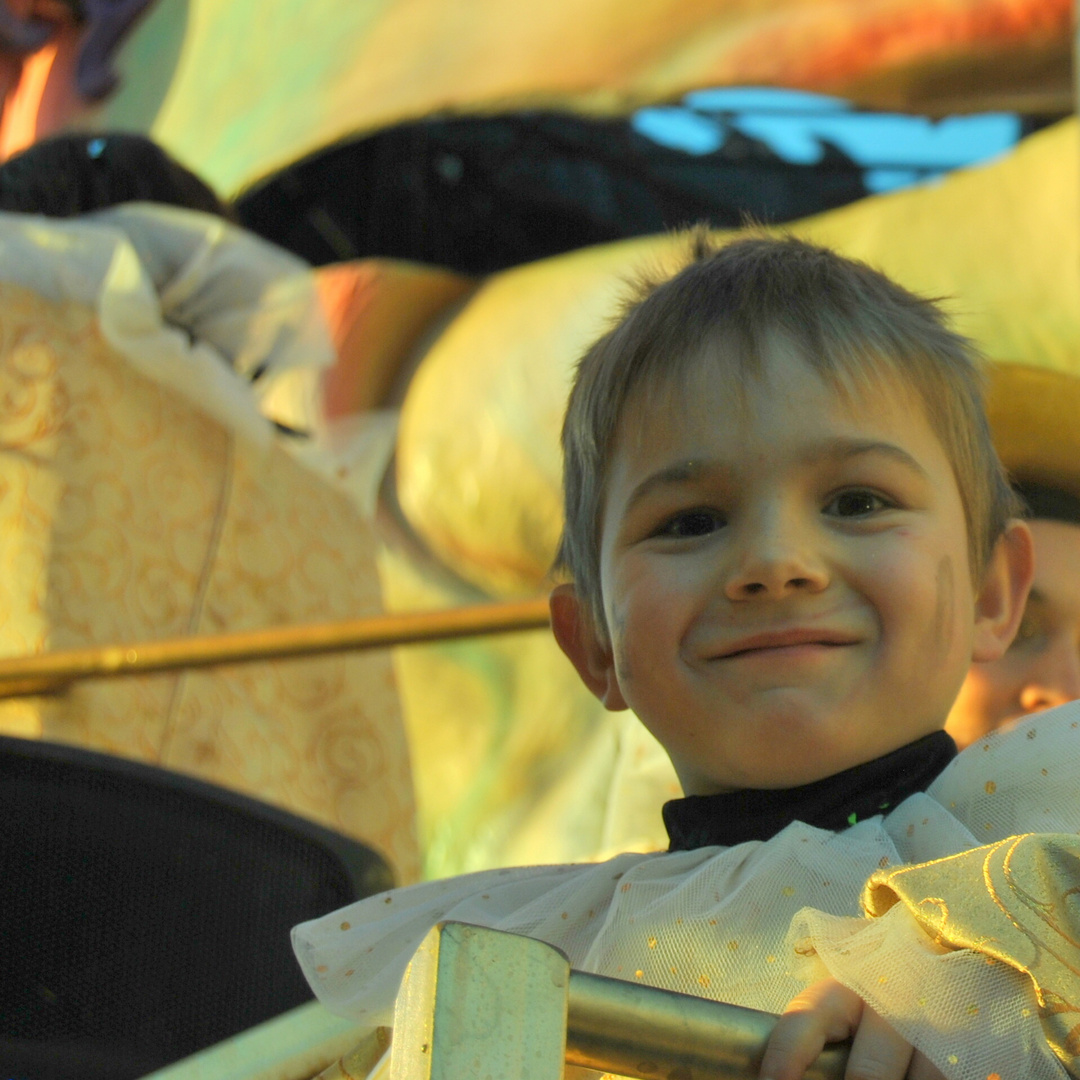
x=762 y=99
x=680 y=129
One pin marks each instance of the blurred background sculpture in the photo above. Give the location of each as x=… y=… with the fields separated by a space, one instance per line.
x=200 y=432
x=429 y=228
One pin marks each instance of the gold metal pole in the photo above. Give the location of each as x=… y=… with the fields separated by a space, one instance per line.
x=639 y=1031
x=358 y=1063
x=51 y=672
x=477 y=1002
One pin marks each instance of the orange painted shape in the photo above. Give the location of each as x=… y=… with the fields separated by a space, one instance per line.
x=378 y=309
x=18 y=129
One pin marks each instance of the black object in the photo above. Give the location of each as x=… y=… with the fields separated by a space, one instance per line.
x=1049 y=503
x=145 y=915
x=478 y=194
x=834 y=803
x=73 y=174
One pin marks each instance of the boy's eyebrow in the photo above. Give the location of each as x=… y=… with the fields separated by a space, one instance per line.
x=839 y=449
x=678 y=473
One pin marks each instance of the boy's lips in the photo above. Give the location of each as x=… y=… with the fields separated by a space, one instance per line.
x=773 y=640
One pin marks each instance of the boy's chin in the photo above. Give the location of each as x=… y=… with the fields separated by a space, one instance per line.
x=776 y=773
x=765 y=780
x=793 y=766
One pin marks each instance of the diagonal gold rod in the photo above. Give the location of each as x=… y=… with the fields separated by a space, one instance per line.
x=52 y=672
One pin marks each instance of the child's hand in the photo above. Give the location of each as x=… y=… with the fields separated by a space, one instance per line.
x=827 y=1012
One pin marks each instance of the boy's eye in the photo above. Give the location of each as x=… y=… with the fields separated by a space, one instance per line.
x=856 y=503
x=691 y=523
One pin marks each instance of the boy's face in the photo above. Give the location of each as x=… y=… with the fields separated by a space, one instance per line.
x=786 y=580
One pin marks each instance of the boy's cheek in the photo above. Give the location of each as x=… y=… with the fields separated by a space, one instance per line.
x=621 y=649
x=943 y=626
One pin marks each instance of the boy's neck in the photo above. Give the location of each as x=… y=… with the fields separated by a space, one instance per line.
x=834 y=803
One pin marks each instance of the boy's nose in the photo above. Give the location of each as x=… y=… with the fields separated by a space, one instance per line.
x=1056 y=678
x=775 y=559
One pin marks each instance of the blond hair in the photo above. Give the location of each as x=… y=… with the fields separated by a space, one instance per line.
x=849 y=323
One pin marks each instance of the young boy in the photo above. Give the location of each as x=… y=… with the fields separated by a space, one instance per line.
x=789 y=536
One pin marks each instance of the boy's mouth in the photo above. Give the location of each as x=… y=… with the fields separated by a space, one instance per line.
x=794 y=640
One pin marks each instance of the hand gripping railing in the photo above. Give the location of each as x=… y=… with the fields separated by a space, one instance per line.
x=478 y=1003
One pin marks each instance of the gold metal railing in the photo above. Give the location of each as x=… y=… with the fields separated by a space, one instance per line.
x=477 y=1002
x=53 y=672
x=638 y=1031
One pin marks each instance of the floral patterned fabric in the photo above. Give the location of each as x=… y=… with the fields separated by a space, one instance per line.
x=128 y=513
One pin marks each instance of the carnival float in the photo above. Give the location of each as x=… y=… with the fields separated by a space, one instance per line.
x=314 y=623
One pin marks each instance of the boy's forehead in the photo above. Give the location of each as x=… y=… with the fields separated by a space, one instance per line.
x=729 y=376
x=719 y=369
x=774 y=389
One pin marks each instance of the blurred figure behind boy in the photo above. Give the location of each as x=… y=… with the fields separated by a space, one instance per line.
x=1042 y=666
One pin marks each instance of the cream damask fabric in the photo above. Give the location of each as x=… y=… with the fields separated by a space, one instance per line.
x=129 y=513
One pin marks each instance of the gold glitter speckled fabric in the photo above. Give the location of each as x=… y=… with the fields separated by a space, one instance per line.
x=754 y=923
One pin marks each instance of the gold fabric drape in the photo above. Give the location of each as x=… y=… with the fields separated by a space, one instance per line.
x=1017 y=902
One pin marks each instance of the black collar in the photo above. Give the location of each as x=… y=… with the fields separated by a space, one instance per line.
x=833 y=803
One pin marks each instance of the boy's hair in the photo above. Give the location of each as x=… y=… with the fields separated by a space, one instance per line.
x=852 y=326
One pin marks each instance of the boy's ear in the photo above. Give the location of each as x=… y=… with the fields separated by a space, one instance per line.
x=590 y=653
x=999 y=605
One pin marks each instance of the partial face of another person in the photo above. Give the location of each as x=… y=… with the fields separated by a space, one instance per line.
x=1041 y=668
x=786 y=580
